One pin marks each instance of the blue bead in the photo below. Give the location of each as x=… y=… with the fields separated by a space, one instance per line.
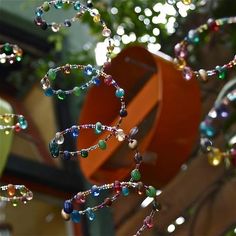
x=207 y=130
x=66 y=155
x=96 y=81
x=120 y=92
x=88 y=70
x=38 y=12
x=49 y=92
x=98 y=128
x=68 y=207
x=54 y=148
x=22 y=122
x=125 y=191
x=77 y=5
x=90 y=214
x=75 y=131
x=95 y=191
x=75 y=216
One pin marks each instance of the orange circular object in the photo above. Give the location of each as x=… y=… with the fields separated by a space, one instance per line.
x=164 y=106
x=11 y=190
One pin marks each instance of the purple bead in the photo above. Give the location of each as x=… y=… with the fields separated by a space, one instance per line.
x=187 y=73
x=148 y=221
x=68 y=207
x=66 y=155
x=180 y=51
x=222 y=111
x=123 y=113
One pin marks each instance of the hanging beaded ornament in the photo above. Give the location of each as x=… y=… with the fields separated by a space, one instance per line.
x=211 y=126
x=118 y=188
x=181 y=51
x=80 y=11
x=15 y=194
x=10 y=53
x=5 y=119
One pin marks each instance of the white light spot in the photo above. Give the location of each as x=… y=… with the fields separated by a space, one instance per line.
x=120 y=30
x=156 y=31
x=152 y=39
x=180 y=220
x=147 y=12
x=116 y=50
x=158 y=192
x=235 y=230
x=212 y=113
x=114 y=10
x=157 y=7
x=137 y=9
x=147 y=202
x=125 y=39
x=232 y=141
x=171 y=228
x=145 y=38
x=141 y=17
x=154 y=47
x=132 y=37
x=146 y=21
x=100 y=53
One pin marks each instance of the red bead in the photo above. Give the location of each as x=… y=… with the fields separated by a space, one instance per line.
x=117 y=186
x=212 y=25
x=17 y=128
x=233 y=157
x=148 y=221
x=108 y=80
x=79 y=198
x=108 y=202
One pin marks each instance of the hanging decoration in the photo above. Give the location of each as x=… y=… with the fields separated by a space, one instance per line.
x=193 y=38
x=20 y=123
x=15 y=194
x=211 y=125
x=95 y=76
x=10 y=53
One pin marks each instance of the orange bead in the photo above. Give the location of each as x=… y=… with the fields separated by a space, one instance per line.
x=11 y=190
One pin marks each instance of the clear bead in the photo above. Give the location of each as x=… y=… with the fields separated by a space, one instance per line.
x=59 y=139
x=55 y=27
x=120 y=135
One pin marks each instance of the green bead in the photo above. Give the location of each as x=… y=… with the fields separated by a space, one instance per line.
x=98 y=128
x=135 y=174
x=46 y=6
x=7 y=48
x=52 y=74
x=84 y=153
x=120 y=92
x=221 y=72
x=18 y=58
x=23 y=190
x=58 y=4
x=14 y=202
x=102 y=144
x=77 y=91
x=151 y=191
x=61 y=94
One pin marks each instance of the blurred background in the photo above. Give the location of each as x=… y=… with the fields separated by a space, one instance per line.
x=196 y=198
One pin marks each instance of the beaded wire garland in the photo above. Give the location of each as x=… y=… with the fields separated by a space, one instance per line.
x=80 y=11
x=20 y=124
x=70 y=211
x=216 y=117
x=193 y=37
x=10 y=53
x=15 y=194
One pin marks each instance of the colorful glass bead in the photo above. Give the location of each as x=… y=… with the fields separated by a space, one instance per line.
x=90 y=214
x=120 y=135
x=23 y=190
x=96 y=81
x=123 y=112
x=58 y=4
x=151 y=191
x=180 y=50
x=97 y=18
x=54 y=148
x=212 y=24
x=135 y=175
x=106 y=32
x=77 y=91
x=75 y=216
x=52 y=74
x=14 y=202
x=79 y=198
x=68 y=206
x=214 y=157
x=138 y=158
x=46 y=6
x=61 y=94
x=120 y=92
x=98 y=128
x=23 y=123
x=67 y=23
x=89 y=4
x=49 y=92
x=38 y=12
x=186 y=2
x=66 y=155
x=84 y=153
x=203 y=74
x=95 y=190
x=17 y=127
x=187 y=73
x=64 y=215
x=221 y=72
x=102 y=144
x=44 y=25
x=133 y=144
x=140 y=188
x=108 y=202
x=59 y=138
x=88 y=70
x=55 y=27
x=75 y=131
x=148 y=221
x=108 y=80
x=222 y=111
x=179 y=63
x=11 y=190
x=77 y=5
x=125 y=191
x=193 y=37
x=207 y=130
x=7 y=119
x=117 y=186
x=206 y=144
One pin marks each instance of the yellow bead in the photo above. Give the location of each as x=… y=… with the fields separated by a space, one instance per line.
x=7 y=119
x=215 y=157
x=179 y=63
x=186 y=2
x=97 y=18
x=64 y=215
x=7 y=131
